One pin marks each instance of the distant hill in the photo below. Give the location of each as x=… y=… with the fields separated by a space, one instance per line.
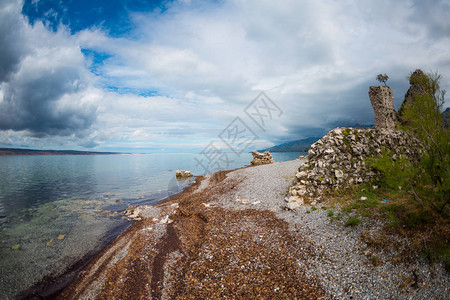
x=446 y=116
x=294 y=146
x=16 y=151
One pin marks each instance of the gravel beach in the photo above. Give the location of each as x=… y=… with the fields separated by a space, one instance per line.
x=341 y=261
x=230 y=236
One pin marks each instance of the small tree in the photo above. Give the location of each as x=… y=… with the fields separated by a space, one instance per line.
x=423 y=118
x=382 y=78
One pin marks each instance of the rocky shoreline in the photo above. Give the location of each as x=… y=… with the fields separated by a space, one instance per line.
x=229 y=235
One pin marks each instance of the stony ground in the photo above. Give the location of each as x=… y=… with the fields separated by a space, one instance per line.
x=229 y=236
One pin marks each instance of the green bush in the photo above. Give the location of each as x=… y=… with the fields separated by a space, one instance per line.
x=422 y=117
x=352 y=221
x=425 y=177
x=395 y=173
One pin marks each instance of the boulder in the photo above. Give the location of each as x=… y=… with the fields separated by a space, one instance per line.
x=292 y=205
x=261 y=158
x=133 y=212
x=183 y=174
x=294 y=199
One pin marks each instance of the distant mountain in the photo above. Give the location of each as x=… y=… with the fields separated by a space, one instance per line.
x=16 y=151
x=294 y=146
x=446 y=116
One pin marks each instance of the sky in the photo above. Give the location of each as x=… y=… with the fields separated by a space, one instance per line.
x=179 y=76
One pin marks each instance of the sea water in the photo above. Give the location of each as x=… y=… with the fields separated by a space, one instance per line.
x=56 y=211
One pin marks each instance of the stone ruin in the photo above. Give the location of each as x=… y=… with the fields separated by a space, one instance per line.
x=261 y=158
x=382 y=101
x=339 y=159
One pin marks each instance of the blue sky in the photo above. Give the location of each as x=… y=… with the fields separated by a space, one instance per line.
x=170 y=76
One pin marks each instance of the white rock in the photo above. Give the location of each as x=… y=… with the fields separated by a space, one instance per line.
x=301 y=192
x=338 y=174
x=301 y=174
x=165 y=220
x=293 y=205
x=295 y=199
x=363 y=198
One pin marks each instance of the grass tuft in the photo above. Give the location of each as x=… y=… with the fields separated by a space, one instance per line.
x=352 y=222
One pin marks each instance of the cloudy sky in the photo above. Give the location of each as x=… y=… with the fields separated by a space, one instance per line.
x=170 y=76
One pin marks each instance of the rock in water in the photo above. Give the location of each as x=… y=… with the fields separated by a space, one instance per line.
x=261 y=158
x=183 y=174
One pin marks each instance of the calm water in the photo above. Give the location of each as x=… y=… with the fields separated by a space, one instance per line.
x=78 y=197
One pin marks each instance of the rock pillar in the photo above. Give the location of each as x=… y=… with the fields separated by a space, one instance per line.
x=382 y=101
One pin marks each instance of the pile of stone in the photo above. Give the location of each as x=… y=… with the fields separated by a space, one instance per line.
x=339 y=159
x=262 y=158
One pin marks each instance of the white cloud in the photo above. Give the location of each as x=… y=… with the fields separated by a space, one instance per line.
x=44 y=92
x=209 y=60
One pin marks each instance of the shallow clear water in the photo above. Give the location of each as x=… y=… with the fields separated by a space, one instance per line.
x=45 y=197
